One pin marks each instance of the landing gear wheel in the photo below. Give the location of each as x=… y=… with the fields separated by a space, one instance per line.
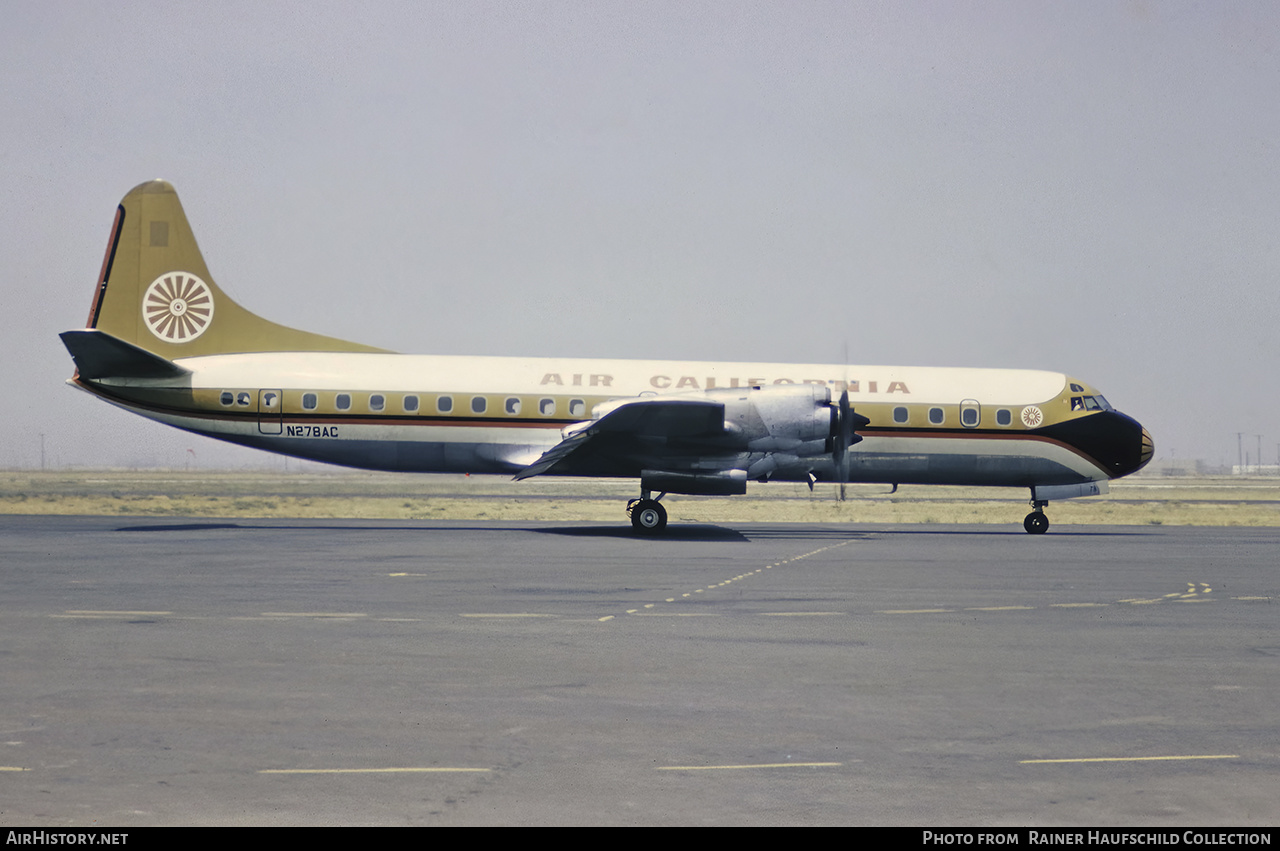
x=1036 y=523
x=648 y=516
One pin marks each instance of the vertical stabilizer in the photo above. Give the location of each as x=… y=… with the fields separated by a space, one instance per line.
x=156 y=293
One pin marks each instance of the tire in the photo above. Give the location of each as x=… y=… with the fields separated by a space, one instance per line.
x=648 y=517
x=1036 y=523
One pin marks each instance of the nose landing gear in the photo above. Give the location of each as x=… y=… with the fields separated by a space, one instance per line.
x=1036 y=523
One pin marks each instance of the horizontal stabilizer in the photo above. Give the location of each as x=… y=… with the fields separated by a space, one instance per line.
x=99 y=355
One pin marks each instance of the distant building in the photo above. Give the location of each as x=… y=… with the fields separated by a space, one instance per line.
x=1255 y=470
x=1180 y=467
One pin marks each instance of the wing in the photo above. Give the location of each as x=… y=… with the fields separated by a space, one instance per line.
x=628 y=435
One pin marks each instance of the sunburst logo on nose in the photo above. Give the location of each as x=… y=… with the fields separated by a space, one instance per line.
x=178 y=307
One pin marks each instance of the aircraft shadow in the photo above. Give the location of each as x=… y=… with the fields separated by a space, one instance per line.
x=682 y=532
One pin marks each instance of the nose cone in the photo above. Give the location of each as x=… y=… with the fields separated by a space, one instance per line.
x=1115 y=442
x=1148 y=450
x=1122 y=445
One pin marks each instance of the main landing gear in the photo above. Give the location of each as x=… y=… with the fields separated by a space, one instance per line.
x=1036 y=523
x=648 y=517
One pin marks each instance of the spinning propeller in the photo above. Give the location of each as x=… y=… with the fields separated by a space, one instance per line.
x=843 y=435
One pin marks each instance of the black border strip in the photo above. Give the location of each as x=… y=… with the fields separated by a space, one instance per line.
x=108 y=261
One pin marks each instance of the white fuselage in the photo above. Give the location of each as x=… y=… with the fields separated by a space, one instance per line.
x=489 y=414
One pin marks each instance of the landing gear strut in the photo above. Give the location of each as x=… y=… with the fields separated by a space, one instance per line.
x=648 y=517
x=1036 y=523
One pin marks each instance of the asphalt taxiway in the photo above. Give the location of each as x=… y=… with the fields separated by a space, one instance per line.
x=343 y=672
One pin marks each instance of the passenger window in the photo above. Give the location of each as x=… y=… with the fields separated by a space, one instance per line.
x=227 y=397
x=969 y=417
x=269 y=399
x=411 y=404
x=513 y=407
x=444 y=404
x=1003 y=417
x=577 y=408
x=309 y=401
x=343 y=402
x=899 y=415
x=935 y=416
x=547 y=407
x=479 y=404
x=377 y=402
x=242 y=400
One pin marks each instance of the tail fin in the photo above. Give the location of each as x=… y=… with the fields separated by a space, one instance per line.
x=156 y=293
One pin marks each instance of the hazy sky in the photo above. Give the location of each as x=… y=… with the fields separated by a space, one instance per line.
x=1091 y=187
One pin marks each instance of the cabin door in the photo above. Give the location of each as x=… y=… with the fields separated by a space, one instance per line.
x=270 y=412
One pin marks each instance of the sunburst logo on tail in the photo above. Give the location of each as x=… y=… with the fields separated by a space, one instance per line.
x=178 y=307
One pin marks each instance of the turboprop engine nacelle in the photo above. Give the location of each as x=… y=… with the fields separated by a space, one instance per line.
x=796 y=419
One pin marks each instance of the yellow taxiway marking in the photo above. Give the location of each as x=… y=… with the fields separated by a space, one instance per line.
x=741 y=767
x=713 y=587
x=1078 y=605
x=914 y=611
x=369 y=770
x=998 y=608
x=13 y=768
x=313 y=615
x=104 y=613
x=1130 y=758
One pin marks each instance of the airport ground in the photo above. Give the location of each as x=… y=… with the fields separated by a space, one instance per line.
x=179 y=670
x=317 y=491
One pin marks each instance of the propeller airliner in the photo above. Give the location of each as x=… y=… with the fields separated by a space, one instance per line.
x=163 y=341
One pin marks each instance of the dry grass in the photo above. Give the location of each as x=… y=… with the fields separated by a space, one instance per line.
x=342 y=494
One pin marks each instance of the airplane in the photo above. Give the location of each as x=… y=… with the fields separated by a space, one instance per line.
x=163 y=341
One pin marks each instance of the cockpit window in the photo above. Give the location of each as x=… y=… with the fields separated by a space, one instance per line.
x=1089 y=403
